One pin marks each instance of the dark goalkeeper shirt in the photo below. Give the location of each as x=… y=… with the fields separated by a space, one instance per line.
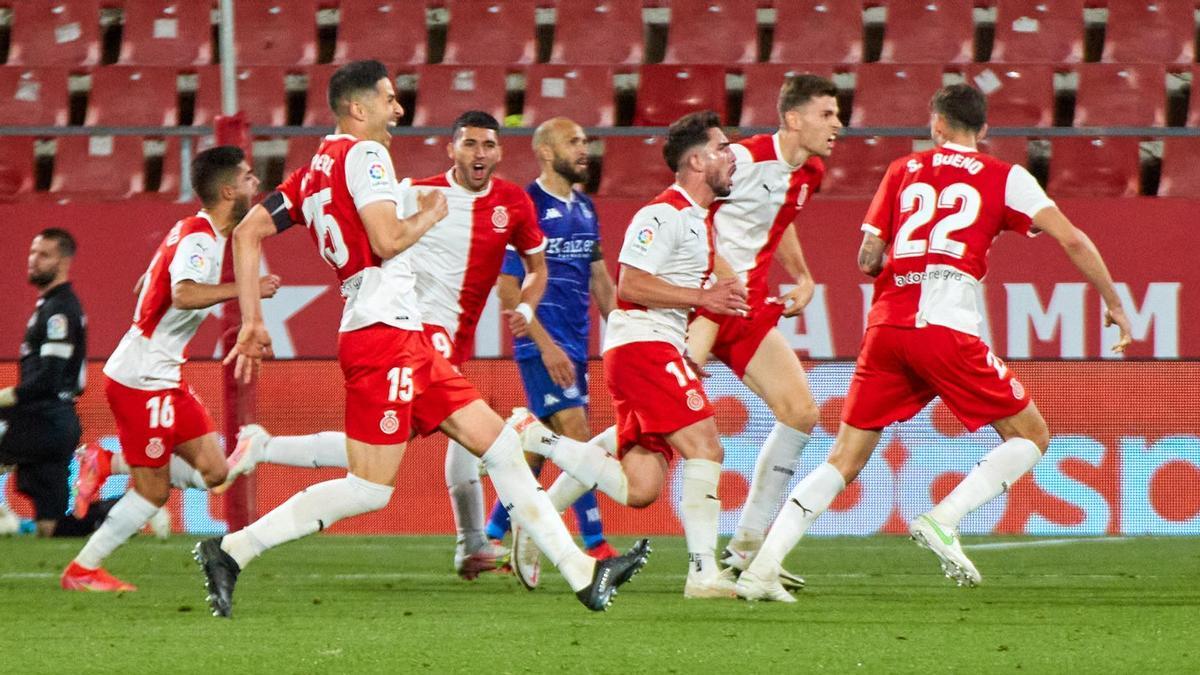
x=53 y=352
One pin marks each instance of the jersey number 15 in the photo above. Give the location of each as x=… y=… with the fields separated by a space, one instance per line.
x=325 y=225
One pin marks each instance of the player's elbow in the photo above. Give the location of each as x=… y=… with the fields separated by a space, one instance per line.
x=182 y=296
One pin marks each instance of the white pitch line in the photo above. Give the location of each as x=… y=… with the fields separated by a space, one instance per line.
x=1043 y=542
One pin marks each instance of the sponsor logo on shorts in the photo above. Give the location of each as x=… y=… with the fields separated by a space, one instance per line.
x=550 y=399
x=571 y=391
x=499 y=219
x=694 y=400
x=390 y=424
x=155 y=448
x=1018 y=389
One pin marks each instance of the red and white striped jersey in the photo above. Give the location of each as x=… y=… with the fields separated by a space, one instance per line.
x=345 y=175
x=939 y=211
x=151 y=352
x=670 y=238
x=458 y=260
x=767 y=194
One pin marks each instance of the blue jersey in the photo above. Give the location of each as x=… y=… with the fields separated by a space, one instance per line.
x=572 y=244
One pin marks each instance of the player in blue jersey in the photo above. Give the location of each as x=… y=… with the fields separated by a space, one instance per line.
x=553 y=357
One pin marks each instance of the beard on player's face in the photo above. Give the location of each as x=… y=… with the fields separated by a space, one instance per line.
x=572 y=171
x=43 y=277
x=241 y=206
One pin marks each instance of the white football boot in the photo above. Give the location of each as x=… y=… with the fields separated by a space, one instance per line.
x=750 y=586
x=526 y=558
x=248 y=452
x=739 y=554
x=943 y=541
x=720 y=585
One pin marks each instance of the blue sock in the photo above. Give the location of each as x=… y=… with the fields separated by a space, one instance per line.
x=499 y=522
x=587 y=512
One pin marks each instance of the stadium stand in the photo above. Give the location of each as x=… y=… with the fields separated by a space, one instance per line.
x=666 y=91
x=133 y=96
x=582 y=93
x=928 y=32
x=605 y=32
x=105 y=167
x=633 y=166
x=808 y=31
x=275 y=33
x=261 y=94
x=16 y=166
x=1150 y=31
x=316 y=98
x=1094 y=167
x=894 y=94
x=1180 y=170
x=1121 y=95
x=476 y=26
x=1012 y=149
x=166 y=33
x=420 y=156
x=1193 y=117
x=300 y=151
x=1036 y=31
x=712 y=31
x=33 y=96
x=1019 y=95
x=394 y=31
x=518 y=163
x=858 y=164
x=760 y=97
x=62 y=33
x=443 y=92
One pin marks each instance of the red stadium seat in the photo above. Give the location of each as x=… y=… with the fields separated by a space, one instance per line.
x=1094 y=167
x=760 y=97
x=33 y=96
x=894 y=95
x=99 y=166
x=598 y=32
x=1037 y=31
x=582 y=93
x=1193 y=118
x=1150 y=31
x=16 y=166
x=275 y=32
x=316 y=102
x=1017 y=95
x=928 y=32
x=445 y=92
x=420 y=156
x=1012 y=149
x=300 y=151
x=169 y=180
x=133 y=96
x=518 y=163
x=490 y=32
x=667 y=92
x=58 y=33
x=712 y=31
x=393 y=30
x=167 y=33
x=261 y=94
x=1132 y=95
x=858 y=164
x=633 y=166
x=1180 y=170
x=808 y=31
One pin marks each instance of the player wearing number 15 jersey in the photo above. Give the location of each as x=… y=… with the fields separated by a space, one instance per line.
x=936 y=214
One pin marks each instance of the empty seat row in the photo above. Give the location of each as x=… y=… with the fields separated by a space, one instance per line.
x=91 y=166
x=274 y=32
x=884 y=94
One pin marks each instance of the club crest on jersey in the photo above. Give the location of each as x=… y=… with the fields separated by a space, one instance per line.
x=1018 y=389
x=389 y=424
x=155 y=448
x=499 y=219
x=694 y=400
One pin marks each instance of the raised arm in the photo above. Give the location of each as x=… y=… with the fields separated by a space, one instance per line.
x=791 y=256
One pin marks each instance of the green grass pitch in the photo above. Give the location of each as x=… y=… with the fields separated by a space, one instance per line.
x=392 y=604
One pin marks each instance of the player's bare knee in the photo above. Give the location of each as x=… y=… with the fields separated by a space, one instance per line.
x=798 y=412
x=641 y=496
x=215 y=475
x=154 y=493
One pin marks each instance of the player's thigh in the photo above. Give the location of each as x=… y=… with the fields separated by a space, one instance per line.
x=777 y=377
x=974 y=384
x=883 y=388
x=698 y=440
x=375 y=463
x=475 y=426
x=204 y=454
x=1028 y=424
x=701 y=335
x=646 y=473
x=571 y=422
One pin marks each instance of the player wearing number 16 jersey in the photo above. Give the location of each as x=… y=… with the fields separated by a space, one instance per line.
x=936 y=213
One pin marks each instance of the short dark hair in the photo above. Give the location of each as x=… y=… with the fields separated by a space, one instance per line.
x=352 y=79
x=474 y=118
x=686 y=133
x=62 y=238
x=963 y=106
x=800 y=89
x=213 y=168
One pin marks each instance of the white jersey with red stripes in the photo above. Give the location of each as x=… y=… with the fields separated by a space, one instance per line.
x=153 y=349
x=767 y=194
x=458 y=260
x=345 y=175
x=939 y=211
x=670 y=238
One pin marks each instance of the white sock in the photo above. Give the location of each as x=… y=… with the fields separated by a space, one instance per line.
x=127 y=516
x=529 y=507
x=324 y=448
x=991 y=476
x=809 y=499
x=606 y=439
x=699 y=509
x=590 y=465
x=308 y=511
x=774 y=468
x=184 y=475
x=566 y=489
x=118 y=464
x=466 y=496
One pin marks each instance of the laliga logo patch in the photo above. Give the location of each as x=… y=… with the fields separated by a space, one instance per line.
x=389 y=424
x=197 y=262
x=645 y=236
x=1018 y=389
x=155 y=448
x=694 y=400
x=499 y=219
x=375 y=171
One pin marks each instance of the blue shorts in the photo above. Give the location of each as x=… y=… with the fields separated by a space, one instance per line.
x=546 y=398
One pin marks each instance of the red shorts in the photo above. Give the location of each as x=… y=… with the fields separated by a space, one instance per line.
x=443 y=343
x=900 y=370
x=151 y=423
x=397 y=384
x=654 y=393
x=738 y=337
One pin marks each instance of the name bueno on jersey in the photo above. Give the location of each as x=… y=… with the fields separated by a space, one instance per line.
x=940 y=210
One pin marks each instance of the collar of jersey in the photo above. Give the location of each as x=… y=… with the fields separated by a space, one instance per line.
x=340 y=137
x=204 y=214
x=955 y=147
x=568 y=201
x=454 y=185
x=679 y=188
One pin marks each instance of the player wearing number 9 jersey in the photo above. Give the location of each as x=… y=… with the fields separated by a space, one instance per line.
x=936 y=213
